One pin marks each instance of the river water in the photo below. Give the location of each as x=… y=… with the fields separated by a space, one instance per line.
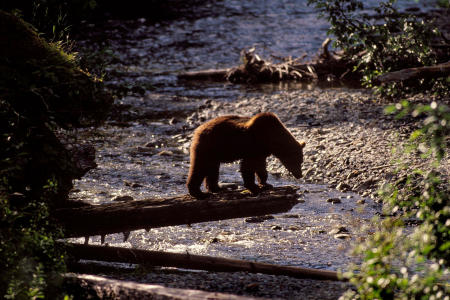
x=142 y=151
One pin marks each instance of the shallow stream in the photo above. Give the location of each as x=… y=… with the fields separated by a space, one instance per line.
x=143 y=150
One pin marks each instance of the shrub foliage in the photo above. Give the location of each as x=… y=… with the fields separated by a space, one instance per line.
x=385 y=42
x=41 y=90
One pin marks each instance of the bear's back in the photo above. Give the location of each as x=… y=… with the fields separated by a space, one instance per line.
x=226 y=138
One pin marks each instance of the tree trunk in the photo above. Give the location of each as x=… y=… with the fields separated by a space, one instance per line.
x=436 y=71
x=178 y=210
x=190 y=261
x=97 y=287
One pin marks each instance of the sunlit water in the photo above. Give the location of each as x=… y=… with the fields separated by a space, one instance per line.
x=150 y=150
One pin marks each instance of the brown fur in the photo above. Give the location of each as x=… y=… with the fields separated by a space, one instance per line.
x=252 y=140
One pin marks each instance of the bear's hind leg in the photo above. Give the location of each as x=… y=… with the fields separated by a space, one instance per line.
x=194 y=182
x=212 y=178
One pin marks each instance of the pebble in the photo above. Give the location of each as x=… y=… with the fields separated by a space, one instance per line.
x=338 y=229
x=342 y=236
x=291 y=216
x=276 y=227
x=165 y=153
x=132 y=184
x=144 y=150
x=343 y=187
x=252 y=287
x=334 y=200
x=123 y=198
x=259 y=219
x=294 y=228
x=352 y=174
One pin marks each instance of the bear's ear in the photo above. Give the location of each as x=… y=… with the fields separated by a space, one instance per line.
x=302 y=144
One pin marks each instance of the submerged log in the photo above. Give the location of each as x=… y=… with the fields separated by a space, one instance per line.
x=190 y=261
x=178 y=210
x=97 y=287
x=427 y=72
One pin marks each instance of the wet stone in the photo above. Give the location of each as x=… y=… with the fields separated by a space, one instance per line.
x=132 y=184
x=123 y=198
x=151 y=145
x=291 y=216
x=252 y=287
x=343 y=187
x=342 y=236
x=294 y=228
x=165 y=153
x=229 y=186
x=145 y=150
x=334 y=200
x=276 y=227
x=338 y=229
x=352 y=174
x=259 y=219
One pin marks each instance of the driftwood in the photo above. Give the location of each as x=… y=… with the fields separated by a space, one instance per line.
x=97 y=287
x=328 y=66
x=178 y=210
x=213 y=75
x=428 y=72
x=190 y=261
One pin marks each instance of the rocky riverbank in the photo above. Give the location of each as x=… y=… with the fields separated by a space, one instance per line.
x=349 y=151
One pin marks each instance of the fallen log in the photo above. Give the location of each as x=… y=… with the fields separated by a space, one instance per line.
x=214 y=75
x=97 y=287
x=190 y=261
x=178 y=210
x=328 y=66
x=416 y=73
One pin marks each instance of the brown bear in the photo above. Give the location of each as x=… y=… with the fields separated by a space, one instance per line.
x=252 y=140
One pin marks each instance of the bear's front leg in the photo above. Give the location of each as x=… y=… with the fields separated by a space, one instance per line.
x=248 y=175
x=261 y=174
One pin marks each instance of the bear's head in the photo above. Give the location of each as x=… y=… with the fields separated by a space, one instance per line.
x=293 y=159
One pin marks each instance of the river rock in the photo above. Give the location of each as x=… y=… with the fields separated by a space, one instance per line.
x=294 y=228
x=309 y=172
x=276 y=227
x=132 y=184
x=352 y=174
x=252 y=287
x=165 y=153
x=334 y=200
x=343 y=187
x=259 y=219
x=342 y=236
x=290 y=216
x=338 y=229
x=123 y=198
